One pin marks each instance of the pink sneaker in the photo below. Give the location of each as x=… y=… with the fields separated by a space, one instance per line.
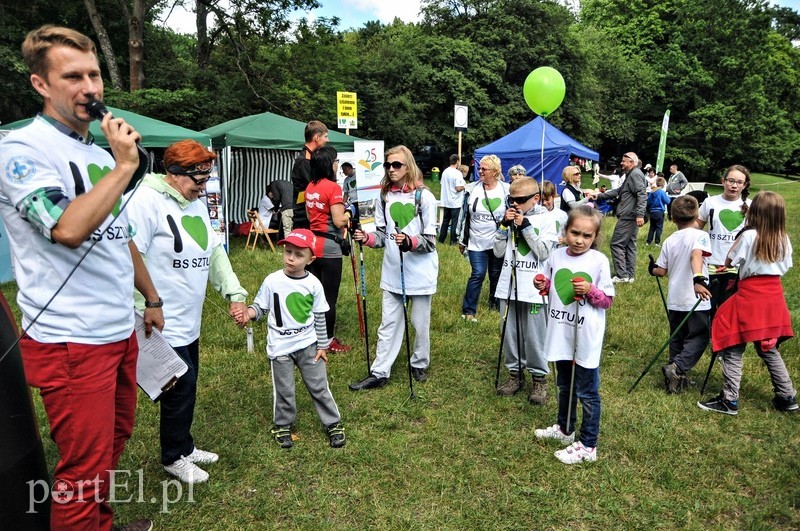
x=575 y=453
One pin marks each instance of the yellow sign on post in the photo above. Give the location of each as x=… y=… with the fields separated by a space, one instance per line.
x=347 y=110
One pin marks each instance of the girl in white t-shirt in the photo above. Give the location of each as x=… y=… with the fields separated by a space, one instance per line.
x=724 y=214
x=578 y=281
x=406 y=228
x=757 y=312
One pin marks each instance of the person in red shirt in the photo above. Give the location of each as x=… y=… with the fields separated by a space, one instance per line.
x=327 y=218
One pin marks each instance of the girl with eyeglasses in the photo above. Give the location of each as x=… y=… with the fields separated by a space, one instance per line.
x=405 y=219
x=725 y=216
x=483 y=209
x=757 y=312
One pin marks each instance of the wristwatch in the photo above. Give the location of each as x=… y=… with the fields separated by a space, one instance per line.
x=157 y=304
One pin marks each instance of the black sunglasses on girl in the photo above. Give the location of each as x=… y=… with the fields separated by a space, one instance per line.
x=396 y=165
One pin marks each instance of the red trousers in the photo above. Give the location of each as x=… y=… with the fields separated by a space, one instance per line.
x=89 y=394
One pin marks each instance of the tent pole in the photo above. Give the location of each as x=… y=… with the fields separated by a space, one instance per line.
x=223 y=190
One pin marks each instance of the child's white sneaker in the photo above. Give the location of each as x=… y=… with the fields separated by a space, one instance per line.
x=554 y=432
x=575 y=453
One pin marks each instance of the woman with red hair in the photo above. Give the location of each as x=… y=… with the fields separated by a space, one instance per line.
x=173 y=232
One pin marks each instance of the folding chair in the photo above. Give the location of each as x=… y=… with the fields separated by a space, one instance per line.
x=257 y=229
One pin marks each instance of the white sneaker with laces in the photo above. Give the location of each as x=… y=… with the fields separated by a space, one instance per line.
x=617 y=280
x=554 y=432
x=186 y=471
x=575 y=453
x=201 y=457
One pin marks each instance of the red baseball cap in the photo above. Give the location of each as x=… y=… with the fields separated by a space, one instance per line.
x=301 y=238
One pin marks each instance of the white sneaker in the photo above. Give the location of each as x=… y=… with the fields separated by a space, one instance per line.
x=617 y=280
x=201 y=457
x=186 y=471
x=629 y=280
x=554 y=432
x=575 y=453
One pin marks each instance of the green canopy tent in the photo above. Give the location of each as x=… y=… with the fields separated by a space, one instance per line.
x=155 y=133
x=256 y=150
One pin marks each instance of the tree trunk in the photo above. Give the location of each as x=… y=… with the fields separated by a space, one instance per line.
x=105 y=44
x=136 y=44
x=203 y=44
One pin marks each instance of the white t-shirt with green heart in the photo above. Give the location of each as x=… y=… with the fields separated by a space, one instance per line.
x=291 y=303
x=96 y=304
x=728 y=221
x=561 y=268
x=485 y=212
x=544 y=226
x=177 y=245
x=421 y=270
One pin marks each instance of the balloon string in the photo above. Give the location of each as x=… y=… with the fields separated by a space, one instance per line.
x=541 y=183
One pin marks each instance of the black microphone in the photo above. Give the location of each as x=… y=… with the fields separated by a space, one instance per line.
x=97 y=110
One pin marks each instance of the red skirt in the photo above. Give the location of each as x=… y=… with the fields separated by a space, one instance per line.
x=756 y=311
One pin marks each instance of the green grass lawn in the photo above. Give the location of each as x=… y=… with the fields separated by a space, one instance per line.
x=459 y=456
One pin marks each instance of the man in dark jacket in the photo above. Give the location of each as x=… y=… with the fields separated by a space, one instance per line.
x=280 y=193
x=316 y=136
x=631 y=201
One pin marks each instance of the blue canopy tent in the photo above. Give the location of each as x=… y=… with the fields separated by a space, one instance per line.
x=524 y=146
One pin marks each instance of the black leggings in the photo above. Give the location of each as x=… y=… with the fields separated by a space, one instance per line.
x=329 y=273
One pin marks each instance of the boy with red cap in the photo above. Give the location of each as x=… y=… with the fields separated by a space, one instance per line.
x=297 y=336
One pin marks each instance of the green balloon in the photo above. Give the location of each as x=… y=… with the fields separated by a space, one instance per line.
x=544 y=90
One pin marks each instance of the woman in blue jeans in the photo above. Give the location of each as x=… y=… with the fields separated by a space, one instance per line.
x=484 y=206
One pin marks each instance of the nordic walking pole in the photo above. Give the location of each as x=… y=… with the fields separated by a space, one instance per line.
x=364 y=303
x=520 y=350
x=660 y=290
x=405 y=316
x=361 y=324
x=578 y=299
x=503 y=332
x=543 y=293
x=665 y=345
x=708 y=372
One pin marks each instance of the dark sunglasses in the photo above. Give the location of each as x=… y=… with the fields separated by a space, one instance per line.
x=521 y=200
x=198 y=182
x=396 y=165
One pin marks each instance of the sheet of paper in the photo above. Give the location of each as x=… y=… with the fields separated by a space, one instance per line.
x=159 y=366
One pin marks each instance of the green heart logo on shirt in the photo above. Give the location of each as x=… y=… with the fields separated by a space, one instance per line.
x=731 y=219
x=523 y=247
x=563 y=282
x=197 y=230
x=558 y=227
x=95 y=174
x=300 y=306
x=491 y=204
x=402 y=214
x=522 y=244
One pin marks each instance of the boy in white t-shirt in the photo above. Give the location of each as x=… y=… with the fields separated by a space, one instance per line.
x=683 y=258
x=549 y=194
x=297 y=336
x=524 y=240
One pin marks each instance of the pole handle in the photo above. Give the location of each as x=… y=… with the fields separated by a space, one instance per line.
x=540 y=278
x=578 y=279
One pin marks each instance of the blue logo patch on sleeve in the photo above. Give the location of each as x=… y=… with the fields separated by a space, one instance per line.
x=20 y=169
